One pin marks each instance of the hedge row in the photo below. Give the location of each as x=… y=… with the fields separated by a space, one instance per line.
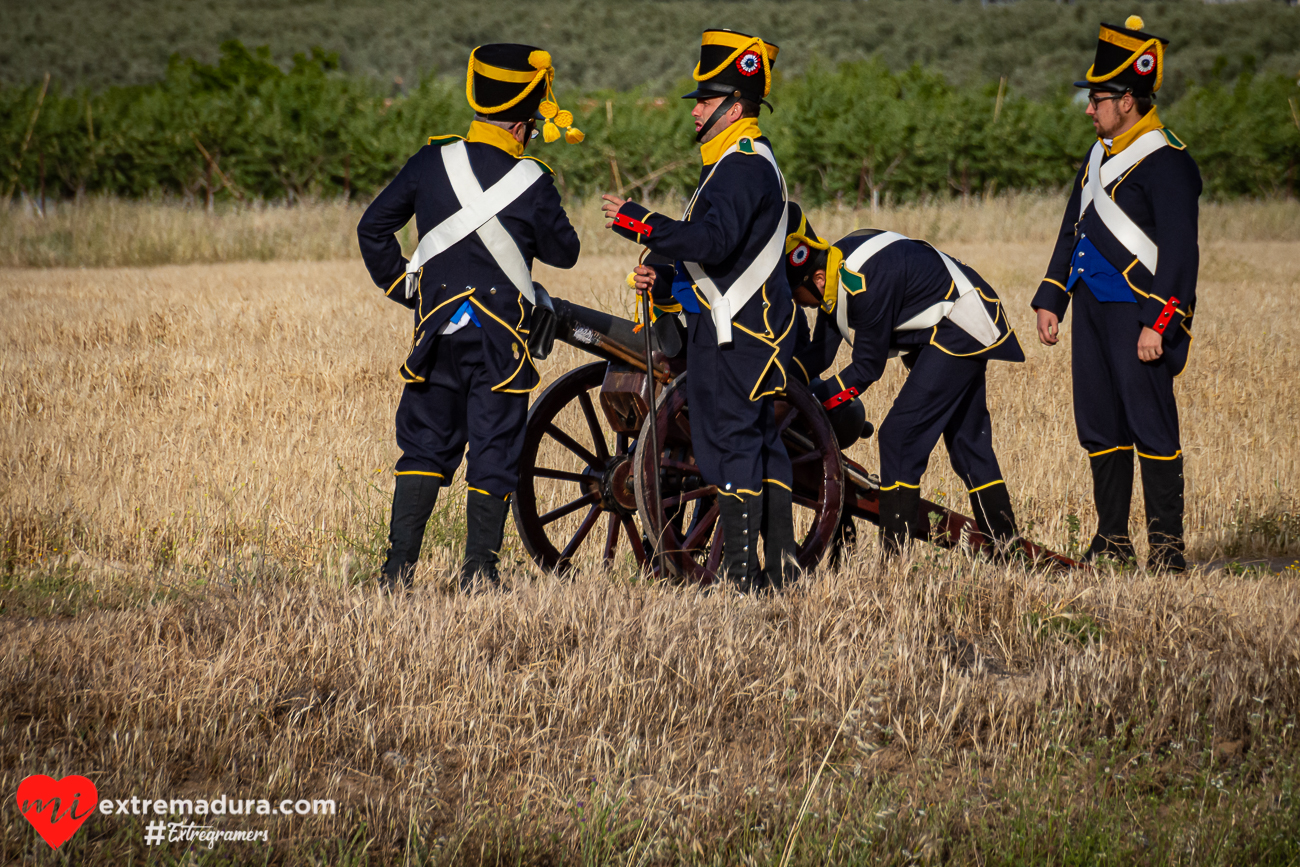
x=243 y=128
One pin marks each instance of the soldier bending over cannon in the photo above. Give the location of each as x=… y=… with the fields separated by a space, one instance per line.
x=484 y=212
x=889 y=295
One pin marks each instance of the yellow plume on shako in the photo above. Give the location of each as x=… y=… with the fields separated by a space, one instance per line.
x=507 y=82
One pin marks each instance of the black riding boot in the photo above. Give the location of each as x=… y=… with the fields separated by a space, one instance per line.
x=900 y=518
x=1162 y=489
x=1112 y=487
x=413 y=501
x=741 y=519
x=995 y=517
x=778 y=537
x=485 y=526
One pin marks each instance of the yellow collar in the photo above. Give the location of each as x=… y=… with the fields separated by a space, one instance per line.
x=497 y=137
x=711 y=151
x=1146 y=123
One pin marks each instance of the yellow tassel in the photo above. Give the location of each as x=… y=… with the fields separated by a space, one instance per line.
x=564 y=117
x=574 y=135
x=547 y=109
x=1134 y=22
x=539 y=59
x=550 y=132
x=631 y=279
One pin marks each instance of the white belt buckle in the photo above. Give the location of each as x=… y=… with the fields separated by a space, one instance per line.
x=412 y=281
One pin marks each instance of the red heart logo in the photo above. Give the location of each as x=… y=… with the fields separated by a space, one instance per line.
x=57 y=808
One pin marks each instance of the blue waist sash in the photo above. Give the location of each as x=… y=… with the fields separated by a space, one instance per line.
x=1105 y=280
x=683 y=289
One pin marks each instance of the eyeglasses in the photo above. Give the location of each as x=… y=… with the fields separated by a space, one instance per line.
x=1095 y=100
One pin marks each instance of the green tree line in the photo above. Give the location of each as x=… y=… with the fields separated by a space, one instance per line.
x=245 y=129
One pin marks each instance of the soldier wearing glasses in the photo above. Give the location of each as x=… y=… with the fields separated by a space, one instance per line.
x=1127 y=257
x=484 y=212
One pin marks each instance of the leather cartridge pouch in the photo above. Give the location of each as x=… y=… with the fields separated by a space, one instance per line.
x=542 y=324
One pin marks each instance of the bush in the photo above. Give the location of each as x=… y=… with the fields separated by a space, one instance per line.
x=245 y=129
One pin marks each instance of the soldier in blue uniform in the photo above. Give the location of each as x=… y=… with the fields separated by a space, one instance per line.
x=887 y=295
x=1134 y=199
x=484 y=212
x=721 y=265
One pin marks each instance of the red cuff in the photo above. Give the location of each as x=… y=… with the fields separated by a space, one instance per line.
x=843 y=397
x=623 y=221
x=1166 y=316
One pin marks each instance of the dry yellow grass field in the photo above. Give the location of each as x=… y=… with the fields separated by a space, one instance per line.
x=197 y=464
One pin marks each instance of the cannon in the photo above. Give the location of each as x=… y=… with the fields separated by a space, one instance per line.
x=585 y=486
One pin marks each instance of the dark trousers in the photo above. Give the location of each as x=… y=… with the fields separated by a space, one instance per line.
x=457 y=406
x=733 y=432
x=944 y=396
x=1119 y=400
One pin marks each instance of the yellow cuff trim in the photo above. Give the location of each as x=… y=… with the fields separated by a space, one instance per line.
x=1055 y=283
x=390 y=289
x=897 y=485
x=1108 y=451
x=417 y=473
x=982 y=487
x=778 y=484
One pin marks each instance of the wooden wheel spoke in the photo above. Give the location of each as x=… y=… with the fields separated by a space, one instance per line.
x=569 y=508
x=611 y=540
x=634 y=538
x=701 y=530
x=707 y=490
x=574 y=446
x=715 y=554
x=584 y=530
x=565 y=475
x=807 y=502
x=593 y=425
x=787 y=421
x=680 y=466
x=806 y=457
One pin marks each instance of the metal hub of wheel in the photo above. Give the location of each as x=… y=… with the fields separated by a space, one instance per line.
x=616 y=489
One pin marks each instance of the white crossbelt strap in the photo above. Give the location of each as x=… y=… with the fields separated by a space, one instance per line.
x=726 y=305
x=1112 y=215
x=967 y=312
x=478 y=212
x=854 y=262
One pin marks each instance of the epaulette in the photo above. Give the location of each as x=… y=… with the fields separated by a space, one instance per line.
x=1173 y=139
x=549 y=170
x=745 y=145
x=444 y=140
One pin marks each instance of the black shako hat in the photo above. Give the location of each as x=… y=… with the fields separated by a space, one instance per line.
x=509 y=82
x=804 y=251
x=733 y=64
x=1127 y=59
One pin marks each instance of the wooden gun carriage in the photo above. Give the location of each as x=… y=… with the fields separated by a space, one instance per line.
x=585 y=487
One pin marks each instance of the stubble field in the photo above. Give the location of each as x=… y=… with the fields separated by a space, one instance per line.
x=197 y=466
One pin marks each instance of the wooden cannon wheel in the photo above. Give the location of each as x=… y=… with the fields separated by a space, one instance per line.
x=687 y=523
x=573 y=470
